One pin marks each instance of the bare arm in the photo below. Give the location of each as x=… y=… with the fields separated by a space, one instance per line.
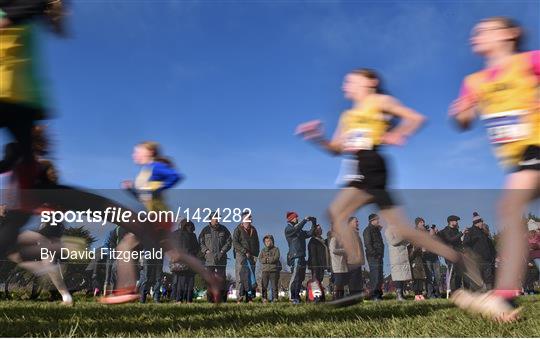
x=410 y=119
x=463 y=109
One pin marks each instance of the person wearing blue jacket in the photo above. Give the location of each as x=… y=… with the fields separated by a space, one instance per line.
x=296 y=257
x=157 y=174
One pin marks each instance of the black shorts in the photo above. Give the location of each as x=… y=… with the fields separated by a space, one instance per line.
x=530 y=159
x=372 y=176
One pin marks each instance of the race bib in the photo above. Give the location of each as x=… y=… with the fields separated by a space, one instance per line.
x=504 y=127
x=358 y=139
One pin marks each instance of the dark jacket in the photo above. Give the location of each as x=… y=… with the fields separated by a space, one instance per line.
x=217 y=240
x=186 y=241
x=245 y=241
x=480 y=244
x=417 y=262
x=451 y=237
x=269 y=258
x=373 y=242
x=296 y=238
x=318 y=256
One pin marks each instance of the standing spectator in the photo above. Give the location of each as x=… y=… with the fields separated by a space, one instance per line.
x=246 y=247
x=451 y=236
x=400 y=267
x=534 y=242
x=416 y=258
x=374 y=254
x=356 y=280
x=215 y=241
x=340 y=269
x=183 y=276
x=271 y=267
x=476 y=239
x=318 y=260
x=296 y=257
x=432 y=266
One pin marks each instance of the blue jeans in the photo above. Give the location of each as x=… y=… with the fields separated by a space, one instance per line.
x=298 y=269
x=376 y=276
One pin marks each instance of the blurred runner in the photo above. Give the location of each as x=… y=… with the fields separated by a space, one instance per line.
x=22 y=103
x=505 y=96
x=157 y=175
x=360 y=135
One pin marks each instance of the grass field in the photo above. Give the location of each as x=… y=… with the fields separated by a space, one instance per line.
x=408 y=319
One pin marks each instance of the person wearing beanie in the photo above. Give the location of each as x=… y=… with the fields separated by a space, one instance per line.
x=477 y=241
x=451 y=236
x=296 y=257
x=374 y=253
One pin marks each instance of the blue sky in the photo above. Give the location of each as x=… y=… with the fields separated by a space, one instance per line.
x=222 y=86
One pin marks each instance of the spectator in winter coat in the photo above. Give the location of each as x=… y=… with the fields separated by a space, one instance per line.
x=340 y=269
x=477 y=240
x=400 y=266
x=374 y=253
x=269 y=258
x=318 y=260
x=183 y=277
x=215 y=240
x=416 y=258
x=246 y=247
x=296 y=257
x=534 y=242
x=451 y=236
x=356 y=279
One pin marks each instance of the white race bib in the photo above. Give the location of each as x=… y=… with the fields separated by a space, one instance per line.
x=358 y=139
x=504 y=127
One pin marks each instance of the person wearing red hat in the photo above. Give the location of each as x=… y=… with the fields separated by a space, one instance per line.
x=296 y=257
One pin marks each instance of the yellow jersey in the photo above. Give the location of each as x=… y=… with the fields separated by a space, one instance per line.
x=19 y=77
x=508 y=100
x=363 y=128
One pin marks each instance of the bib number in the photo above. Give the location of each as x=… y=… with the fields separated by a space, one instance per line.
x=507 y=126
x=358 y=139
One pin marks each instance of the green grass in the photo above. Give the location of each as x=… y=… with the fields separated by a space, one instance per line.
x=387 y=319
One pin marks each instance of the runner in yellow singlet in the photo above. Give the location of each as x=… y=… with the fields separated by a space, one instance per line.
x=505 y=95
x=360 y=135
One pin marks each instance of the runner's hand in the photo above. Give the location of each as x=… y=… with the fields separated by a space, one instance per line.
x=127 y=184
x=392 y=138
x=462 y=104
x=311 y=130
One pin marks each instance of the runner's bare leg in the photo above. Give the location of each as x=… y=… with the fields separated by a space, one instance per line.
x=513 y=241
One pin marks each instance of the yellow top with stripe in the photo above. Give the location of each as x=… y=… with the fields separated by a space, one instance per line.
x=508 y=101
x=362 y=128
x=19 y=81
